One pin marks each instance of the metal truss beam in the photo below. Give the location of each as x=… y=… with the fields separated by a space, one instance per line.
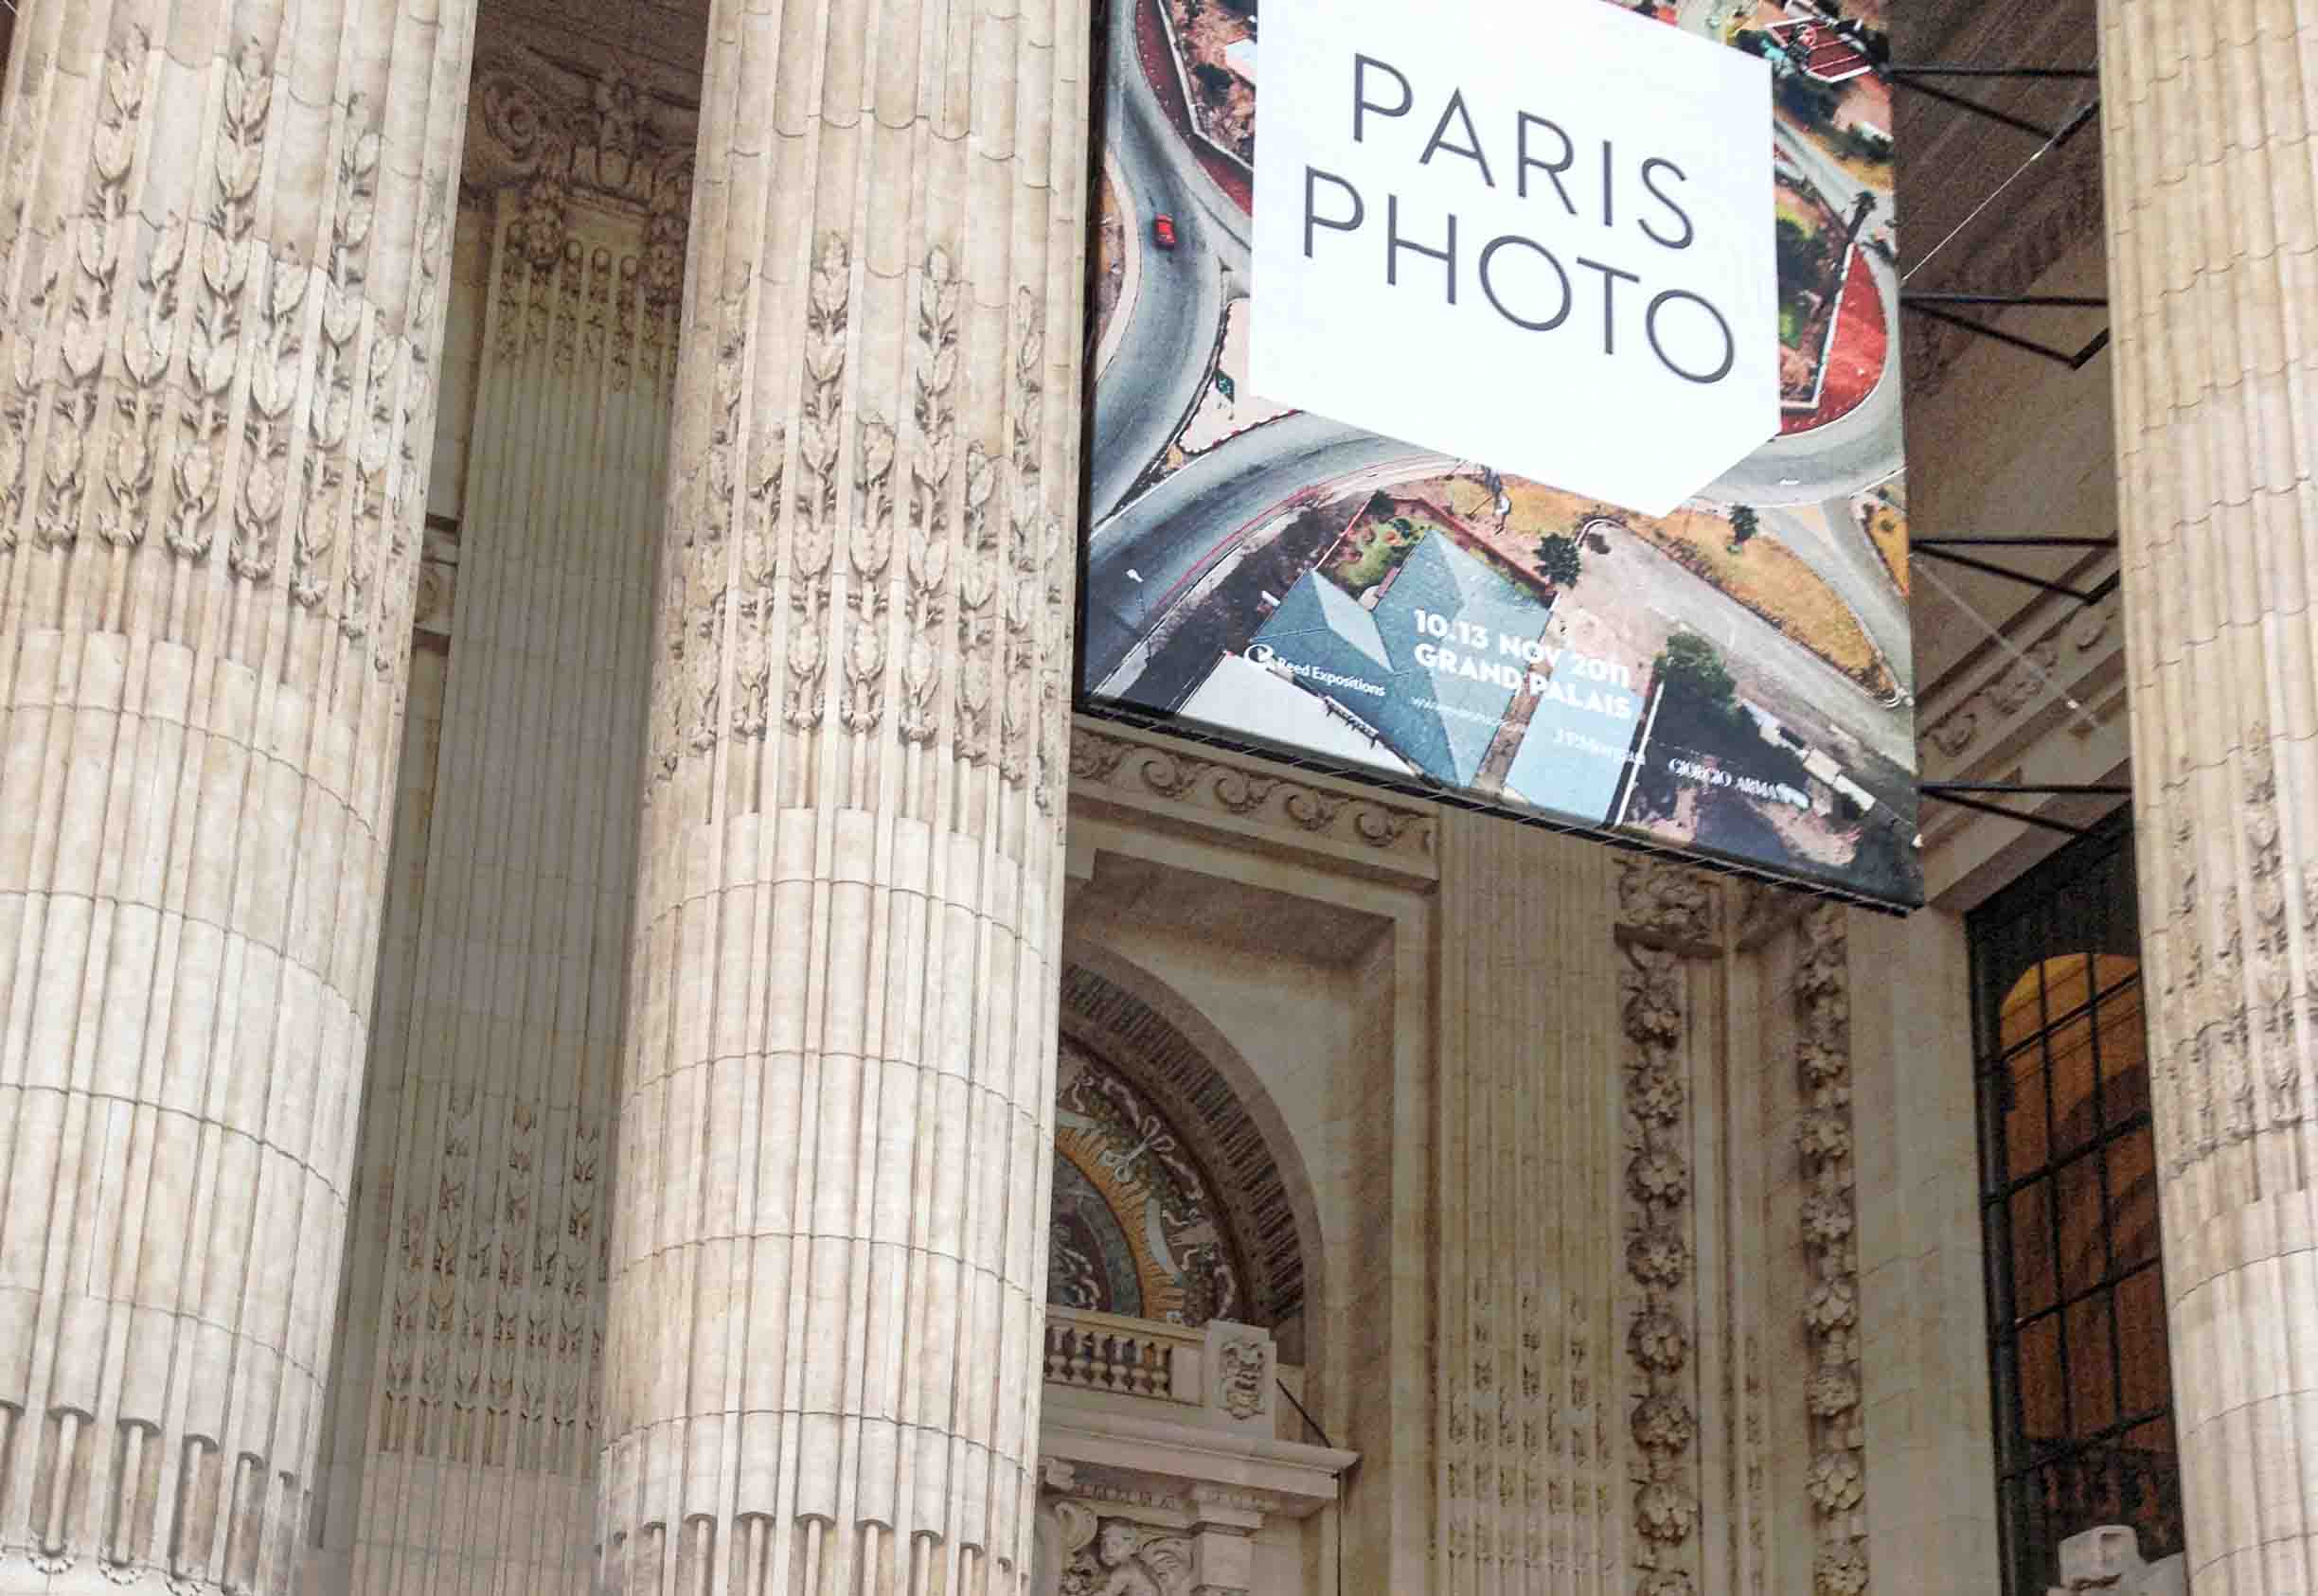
x=1945 y=548
x=1914 y=77
x=1962 y=795
x=1924 y=69
x=1930 y=305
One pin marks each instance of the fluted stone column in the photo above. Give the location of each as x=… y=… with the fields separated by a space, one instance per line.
x=221 y=238
x=2213 y=216
x=836 y=1107
x=1533 y=1496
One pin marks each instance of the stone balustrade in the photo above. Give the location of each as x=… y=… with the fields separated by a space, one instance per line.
x=1224 y=1372
x=1130 y=1356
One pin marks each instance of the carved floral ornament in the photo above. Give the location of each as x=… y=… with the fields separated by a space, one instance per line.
x=1656 y=897
x=557 y=138
x=1663 y=899
x=1836 y=1480
x=2236 y=997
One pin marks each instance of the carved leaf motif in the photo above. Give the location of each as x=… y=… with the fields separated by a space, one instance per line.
x=806 y=663
x=872 y=544
x=864 y=678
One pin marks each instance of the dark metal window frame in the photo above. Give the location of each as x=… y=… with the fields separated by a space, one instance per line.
x=2016 y=932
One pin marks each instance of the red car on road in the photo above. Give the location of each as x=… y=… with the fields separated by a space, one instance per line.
x=1163 y=230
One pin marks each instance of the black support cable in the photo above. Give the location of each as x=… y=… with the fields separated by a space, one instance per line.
x=1984 y=807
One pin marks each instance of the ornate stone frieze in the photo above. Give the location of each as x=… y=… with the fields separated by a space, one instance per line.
x=2014 y=684
x=1116 y=763
x=1837 y=1477
x=1660 y=1337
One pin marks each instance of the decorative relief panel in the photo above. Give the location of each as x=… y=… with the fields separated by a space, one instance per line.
x=1120 y=1556
x=2055 y=659
x=1529 y=1478
x=1837 y=1481
x=1660 y=1264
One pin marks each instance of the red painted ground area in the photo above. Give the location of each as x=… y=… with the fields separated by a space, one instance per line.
x=1159 y=67
x=1229 y=175
x=1857 y=360
x=1824 y=54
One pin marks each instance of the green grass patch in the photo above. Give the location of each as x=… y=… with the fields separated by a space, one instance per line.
x=1388 y=543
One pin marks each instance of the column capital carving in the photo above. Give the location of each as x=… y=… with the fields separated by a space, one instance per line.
x=559 y=135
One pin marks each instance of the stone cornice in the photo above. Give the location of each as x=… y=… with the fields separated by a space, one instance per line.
x=1085 y=1452
x=1240 y=793
x=1982 y=716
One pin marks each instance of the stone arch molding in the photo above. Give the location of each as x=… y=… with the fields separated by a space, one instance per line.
x=1211 y=1096
x=558 y=136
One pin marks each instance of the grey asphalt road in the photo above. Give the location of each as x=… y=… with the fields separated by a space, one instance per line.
x=1160 y=366
x=1857 y=450
x=1169 y=535
x=1840 y=553
x=1823 y=704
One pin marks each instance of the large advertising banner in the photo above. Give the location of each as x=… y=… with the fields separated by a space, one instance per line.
x=1512 y=410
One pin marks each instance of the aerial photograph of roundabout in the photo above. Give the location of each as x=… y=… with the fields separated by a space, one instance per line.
x=1733 y=678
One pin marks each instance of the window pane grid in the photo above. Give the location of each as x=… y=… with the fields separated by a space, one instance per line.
x=2081 y=1390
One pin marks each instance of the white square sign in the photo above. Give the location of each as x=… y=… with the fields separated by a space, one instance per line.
x=1536 y=236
